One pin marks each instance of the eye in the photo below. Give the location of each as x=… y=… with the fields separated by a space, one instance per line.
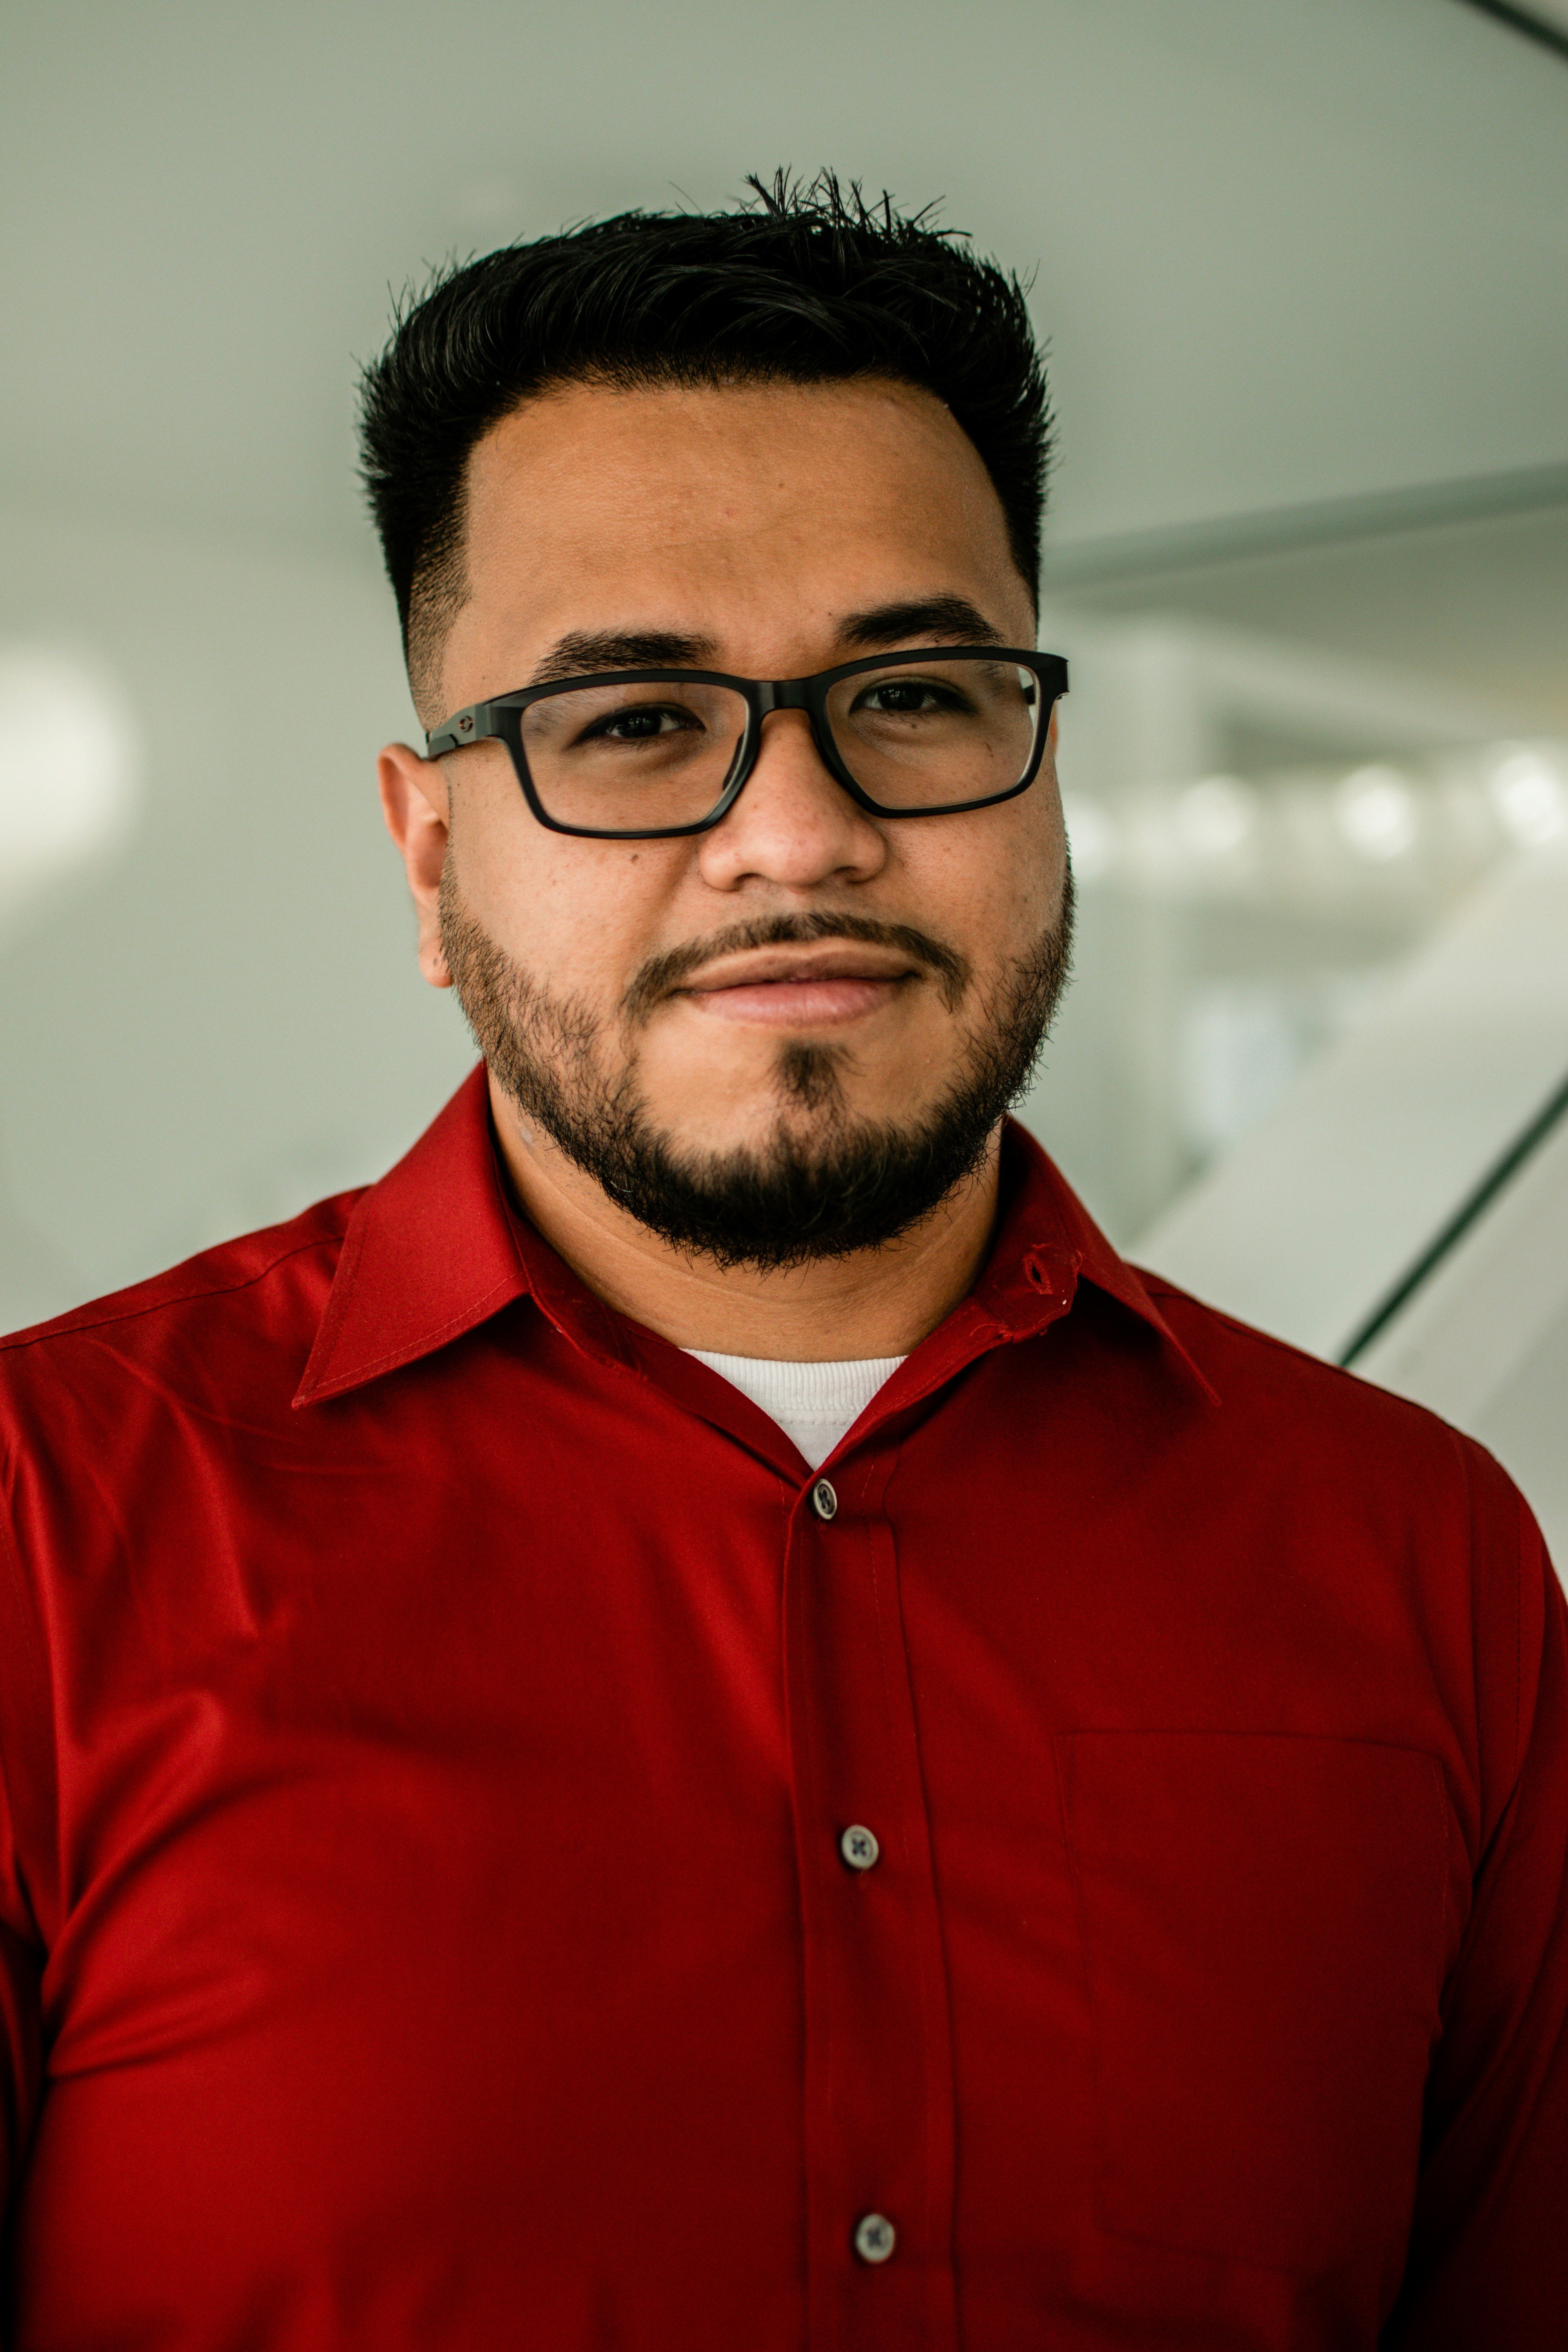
x=909 y=697
x=641 y=722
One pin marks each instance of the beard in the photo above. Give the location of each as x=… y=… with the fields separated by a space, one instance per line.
x=824 y=1183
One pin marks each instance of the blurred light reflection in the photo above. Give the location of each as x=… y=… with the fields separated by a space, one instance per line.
x=1377 y=813
x=70 y=767
x=1529 y=796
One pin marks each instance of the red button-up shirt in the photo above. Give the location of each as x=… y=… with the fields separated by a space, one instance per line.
x=430 y=1709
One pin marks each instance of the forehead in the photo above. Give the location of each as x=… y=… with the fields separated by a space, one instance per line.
x=646 y=491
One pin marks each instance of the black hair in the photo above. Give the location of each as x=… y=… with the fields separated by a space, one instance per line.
x=800 y=284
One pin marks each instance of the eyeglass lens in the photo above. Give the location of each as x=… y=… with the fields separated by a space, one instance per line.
x=641 y=757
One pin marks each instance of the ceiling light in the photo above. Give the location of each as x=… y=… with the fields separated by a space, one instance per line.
x=1375 y=811
x=1527 y=792
x=70 y=766
x=1215 y=817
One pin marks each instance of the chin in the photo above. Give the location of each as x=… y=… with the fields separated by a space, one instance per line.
x=810 y=1089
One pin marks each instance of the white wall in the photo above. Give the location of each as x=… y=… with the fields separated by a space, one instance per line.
x=223 y=1019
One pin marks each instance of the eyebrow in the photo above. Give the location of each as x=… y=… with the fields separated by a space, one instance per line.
x=589 y=653
x=586 y=653
x=919 y=616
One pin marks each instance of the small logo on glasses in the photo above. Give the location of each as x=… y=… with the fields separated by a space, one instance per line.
x=465 y=726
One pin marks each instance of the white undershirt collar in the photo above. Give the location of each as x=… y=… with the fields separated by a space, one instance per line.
x=814 y=1404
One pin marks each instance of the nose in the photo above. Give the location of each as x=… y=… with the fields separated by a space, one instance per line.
x=794 y=824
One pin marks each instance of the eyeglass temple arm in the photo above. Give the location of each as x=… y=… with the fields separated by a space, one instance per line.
x=464 y=726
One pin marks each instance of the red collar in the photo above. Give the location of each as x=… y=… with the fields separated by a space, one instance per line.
x=434 y=1248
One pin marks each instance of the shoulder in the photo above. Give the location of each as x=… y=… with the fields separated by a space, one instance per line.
x=1412 y=1519
x=1257 y=1374
x=259 y=1295
x=1352 y=1452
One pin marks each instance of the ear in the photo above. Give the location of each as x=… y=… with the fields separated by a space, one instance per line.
x=419 y=817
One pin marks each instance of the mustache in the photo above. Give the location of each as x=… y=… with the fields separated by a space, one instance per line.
x=662 y=973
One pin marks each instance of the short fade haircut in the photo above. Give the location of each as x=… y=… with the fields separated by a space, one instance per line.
x=800 y=284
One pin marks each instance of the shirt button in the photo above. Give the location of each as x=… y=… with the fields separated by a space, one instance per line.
x=824 y=1501
x=859 y=1848
x=874 y=2237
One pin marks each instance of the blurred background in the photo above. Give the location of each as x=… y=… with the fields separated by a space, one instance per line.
x=1302 y=266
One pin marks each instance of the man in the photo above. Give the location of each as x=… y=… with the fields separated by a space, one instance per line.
x=698 y=1721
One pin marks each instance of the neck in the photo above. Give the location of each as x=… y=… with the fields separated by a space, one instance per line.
x=879 y=1302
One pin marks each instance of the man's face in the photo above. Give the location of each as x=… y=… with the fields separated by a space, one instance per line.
x=805 y=977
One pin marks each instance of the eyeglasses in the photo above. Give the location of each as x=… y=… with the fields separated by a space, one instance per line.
x=648 y=754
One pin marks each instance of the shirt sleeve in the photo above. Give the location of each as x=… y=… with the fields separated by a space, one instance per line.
x=1489 y=2250
x=22 y=1950
x=21 y=2038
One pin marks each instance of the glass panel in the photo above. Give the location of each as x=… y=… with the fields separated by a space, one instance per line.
x=629 y=759
x=931 y=734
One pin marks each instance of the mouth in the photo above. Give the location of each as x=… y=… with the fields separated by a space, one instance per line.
x=806 y=988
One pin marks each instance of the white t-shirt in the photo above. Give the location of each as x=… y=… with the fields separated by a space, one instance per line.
x=814 y=1404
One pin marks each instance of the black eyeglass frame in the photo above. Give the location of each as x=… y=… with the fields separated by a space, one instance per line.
x=501 y=720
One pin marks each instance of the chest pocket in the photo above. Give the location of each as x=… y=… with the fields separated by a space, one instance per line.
x=1263 y=1920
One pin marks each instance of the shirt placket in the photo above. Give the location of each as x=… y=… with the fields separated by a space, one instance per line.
x=879 y=2114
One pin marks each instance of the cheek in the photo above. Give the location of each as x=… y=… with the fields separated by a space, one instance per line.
x=1032 y=864
x=991 y=883
x=581 y=917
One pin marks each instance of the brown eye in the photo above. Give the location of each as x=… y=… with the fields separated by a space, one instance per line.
x=642 y=723
x=907 y=698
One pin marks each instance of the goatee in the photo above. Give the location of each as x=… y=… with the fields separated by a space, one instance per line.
x=826 y=1183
